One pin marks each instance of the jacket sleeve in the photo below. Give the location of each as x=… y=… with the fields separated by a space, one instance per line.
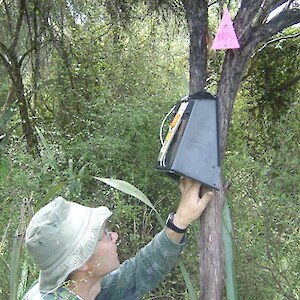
x=142 y=273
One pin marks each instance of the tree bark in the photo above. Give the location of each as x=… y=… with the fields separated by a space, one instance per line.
x=211 y=249
x=197 y=18
x=211 y=263
x=31 y=140
x=234 y=66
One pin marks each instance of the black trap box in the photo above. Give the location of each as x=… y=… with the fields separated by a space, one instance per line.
x=191 y=147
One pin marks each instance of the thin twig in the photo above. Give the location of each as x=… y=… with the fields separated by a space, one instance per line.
x=279 y=39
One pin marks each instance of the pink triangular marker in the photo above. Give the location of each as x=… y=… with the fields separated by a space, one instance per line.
x=225 y=37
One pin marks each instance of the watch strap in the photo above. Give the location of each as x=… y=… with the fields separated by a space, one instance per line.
x=172 y=226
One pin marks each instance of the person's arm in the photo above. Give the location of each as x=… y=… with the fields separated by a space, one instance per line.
x=142 y=273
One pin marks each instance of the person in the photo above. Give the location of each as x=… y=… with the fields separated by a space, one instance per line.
x=77 y=254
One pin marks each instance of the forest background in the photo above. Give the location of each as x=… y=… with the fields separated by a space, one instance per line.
x=96 y=88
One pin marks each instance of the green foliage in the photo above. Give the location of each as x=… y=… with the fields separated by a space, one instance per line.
x=272 y=78
x=263 y=163
x=230 y=277
x=264 y=197
x=105 y=71
x=99 y=112
x=7 y=115
x=4 y=85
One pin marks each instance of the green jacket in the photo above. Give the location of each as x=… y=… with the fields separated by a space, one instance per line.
x=134 y=278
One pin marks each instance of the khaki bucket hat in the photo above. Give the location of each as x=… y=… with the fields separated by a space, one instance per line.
x=61 y=237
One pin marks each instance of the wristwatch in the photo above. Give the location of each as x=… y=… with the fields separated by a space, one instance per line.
x=172 y=226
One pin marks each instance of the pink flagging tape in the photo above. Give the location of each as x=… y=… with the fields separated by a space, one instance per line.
x=225 y=37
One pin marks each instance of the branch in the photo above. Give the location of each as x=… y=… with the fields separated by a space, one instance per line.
x=288 y=4
x=214 y=2
x=246 y=4
x=283 y=20
x=273 y=4
x=4 y=59
x=267 y=8
x=28 y=22
x=290 y=82
x=246 y=15
x=281 y=38
x=255 y=13
x=26 y=53
x=3 y=48
x=8 y=15
x=18 y=25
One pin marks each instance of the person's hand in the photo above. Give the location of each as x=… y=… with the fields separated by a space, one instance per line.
x=191 y=205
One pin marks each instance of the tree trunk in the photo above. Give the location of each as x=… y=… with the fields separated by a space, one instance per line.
x=234 y=66
x=211 y=243
x=211 y=249
x=211 y=239
x=16 y=76
x=197 y=18
x=31 y=140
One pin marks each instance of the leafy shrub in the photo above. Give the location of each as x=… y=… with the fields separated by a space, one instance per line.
x=264 y=196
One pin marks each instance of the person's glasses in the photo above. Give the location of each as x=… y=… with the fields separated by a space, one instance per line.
x=106 y=235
